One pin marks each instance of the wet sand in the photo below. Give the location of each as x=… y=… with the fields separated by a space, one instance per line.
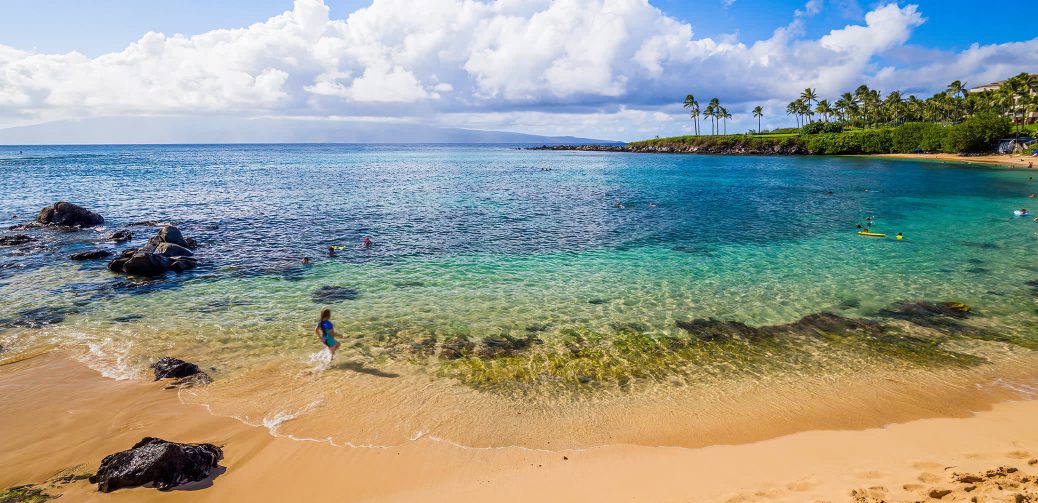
x=62 y=417
x=1012 y=161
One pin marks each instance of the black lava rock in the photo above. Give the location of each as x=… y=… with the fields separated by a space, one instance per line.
x=17 y=239
x=156 y=461
x=91 y=255
x=169 y=367
x=68 y=214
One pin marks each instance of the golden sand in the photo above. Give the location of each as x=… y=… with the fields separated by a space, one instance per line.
x=1012 y=161
x=61 y=417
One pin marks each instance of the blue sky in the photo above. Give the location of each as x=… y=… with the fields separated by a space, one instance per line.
x=602 y=68
x=101 y=26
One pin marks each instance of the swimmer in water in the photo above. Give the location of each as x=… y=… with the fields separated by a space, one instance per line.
x=325 y=331
x=306 y=260
x=331 y=251
x=366 y=242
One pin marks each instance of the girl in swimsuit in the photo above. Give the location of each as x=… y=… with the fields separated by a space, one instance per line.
x=326 y=332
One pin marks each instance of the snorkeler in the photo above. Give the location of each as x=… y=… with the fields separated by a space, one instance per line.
x=366 y=242
x=326 y=332
x=331 y=251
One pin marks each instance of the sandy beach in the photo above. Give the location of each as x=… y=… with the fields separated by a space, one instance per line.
x=61 y=418
x=1012 y=161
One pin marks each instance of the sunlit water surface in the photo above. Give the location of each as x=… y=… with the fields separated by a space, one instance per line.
x=475 y=245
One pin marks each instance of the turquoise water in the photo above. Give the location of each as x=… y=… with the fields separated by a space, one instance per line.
x=481 y=243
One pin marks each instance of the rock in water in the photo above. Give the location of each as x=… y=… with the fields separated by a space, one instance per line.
x=185 y=374
x=156 y=461
x=172 y=250
x=181 y=264
x=146 y=264
x=171 y=234
x=334 y=294
x=17 y=239
x=173 y=367
x=120 y=236
x=90 y=255
x=72 y=215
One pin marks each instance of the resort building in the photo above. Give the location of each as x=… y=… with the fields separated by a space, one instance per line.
x=1030 y=117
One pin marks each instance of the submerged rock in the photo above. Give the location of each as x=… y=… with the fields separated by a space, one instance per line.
x=17 y=239
x=711 y=329
x=38 y=317
x=506 y=345
x=334 y=294
x=68 y=214
x=455 y=348
x=812 y=325
x=120 y=236
x=91 y=255
x=927 y=309
x=156 y=461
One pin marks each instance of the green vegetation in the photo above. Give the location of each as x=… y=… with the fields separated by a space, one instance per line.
x=866 y=122
x=973 y=134
x=23 y=494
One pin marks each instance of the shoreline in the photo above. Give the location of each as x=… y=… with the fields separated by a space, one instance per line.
x=1006 y=160
x=60 y=415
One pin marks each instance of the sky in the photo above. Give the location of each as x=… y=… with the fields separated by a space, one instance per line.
x=610 y=69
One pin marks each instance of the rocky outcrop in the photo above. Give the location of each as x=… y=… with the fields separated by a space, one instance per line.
x=156 y=461
x=16 y=240
x=171 y=250
x=168 y=250
x=704 y=146
x=144 y=263
x=68 y=215
x=91 y=255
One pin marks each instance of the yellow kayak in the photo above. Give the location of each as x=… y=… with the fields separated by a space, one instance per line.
x=872 y=234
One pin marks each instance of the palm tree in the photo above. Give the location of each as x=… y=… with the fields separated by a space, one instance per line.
x=758 y=112
x=957 y=89
x=824 y=109
x=693 y=106
x=725 y=116
x=709 y=114
x=808 y=96
x=1017 y=87
x=715 y=105
x=893 y=105
x=794 y=110
x=861 y=96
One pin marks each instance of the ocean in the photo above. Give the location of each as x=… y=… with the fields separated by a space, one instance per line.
x=518 y=297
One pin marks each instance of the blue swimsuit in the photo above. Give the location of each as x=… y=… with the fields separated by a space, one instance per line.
x=326 y=332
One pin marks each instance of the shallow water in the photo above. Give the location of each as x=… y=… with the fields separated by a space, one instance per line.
x=479 y=246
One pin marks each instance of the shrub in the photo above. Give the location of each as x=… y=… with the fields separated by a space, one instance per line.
x=821 y=127
x=908 y=137
x=875 y=141
x=976 y=134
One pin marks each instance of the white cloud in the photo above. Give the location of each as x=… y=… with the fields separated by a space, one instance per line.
x=615 y=62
